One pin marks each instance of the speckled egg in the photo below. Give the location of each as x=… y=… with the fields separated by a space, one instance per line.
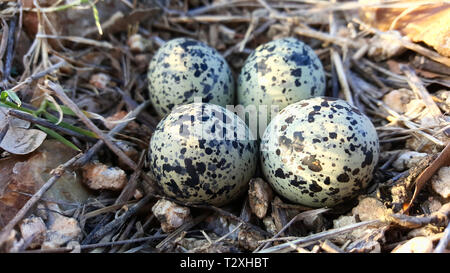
x=280 y=73
x=203 y=153
x=183 y=69
x=319 y=152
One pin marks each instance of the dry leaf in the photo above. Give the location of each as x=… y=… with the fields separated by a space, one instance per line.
x=13 y=122
x=442 y=160
x=421 y=23
x=22 y=141
x=22 y=176
x=18 y=139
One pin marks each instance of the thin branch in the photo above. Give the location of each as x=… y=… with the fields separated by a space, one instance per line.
x=106 y=139
x=120 y=220
x=337 y=61
x=119 y=127
x=318 y=236
x=444 y=242
x=106 y=244
x=38 y=75
x=419 y=89
x=9 y=51
x=298 y=217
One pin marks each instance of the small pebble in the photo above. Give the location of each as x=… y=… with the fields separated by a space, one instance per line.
x=61 y=229
x=407 y=160
x=98 y=176
x=33 y=228
x=369 y=208
x=248 y=239
x=441 y=182
x=431 y=204
x=443 y=100
x=260 y=194
x=170 y=215
x=138 y=44
x=385 y=47
x=270 y=225
x=397 y=99
x=100 y=80
x=10 y=244
x=428 y=230
x=416 y=245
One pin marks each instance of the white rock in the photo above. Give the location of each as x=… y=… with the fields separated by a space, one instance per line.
x=61 y=229
x=343 y=221
x=98 y=176
x=369 y=208
x=441 y=182
x=260 y=194
x=407 y=160
x=10 y=244
x=270 y=225
x=66 y=226
x=383 y=47
x=74 y=246
x=416 y=245
x=100 y=80
x=33 y=228
x=397 y=99
x=431 y=204
x=355 y=234
x=170 y=215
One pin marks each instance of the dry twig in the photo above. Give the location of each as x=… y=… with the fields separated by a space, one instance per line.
x=318 y=236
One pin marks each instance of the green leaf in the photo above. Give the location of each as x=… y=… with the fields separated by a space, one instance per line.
x=66 y=110
x=97 y=19
x=59 y=137
x=9 y=104
x=66 y=125
x=12 y=95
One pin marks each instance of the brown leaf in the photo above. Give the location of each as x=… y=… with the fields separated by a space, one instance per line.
x=26 y=174
x=16 y=177
x=442 y=160
x=425 y=23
